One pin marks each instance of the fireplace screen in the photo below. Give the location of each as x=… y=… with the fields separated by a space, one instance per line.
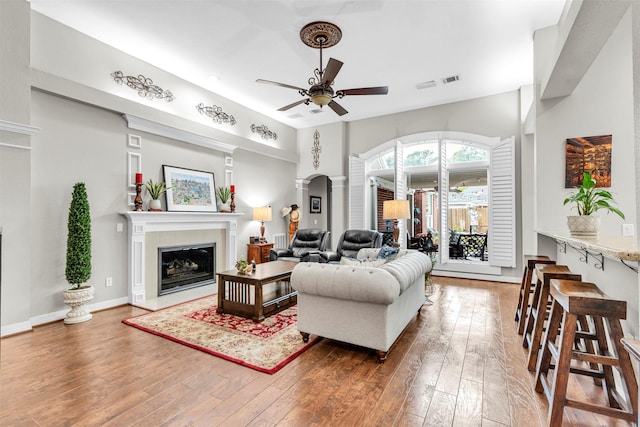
x=185 y=267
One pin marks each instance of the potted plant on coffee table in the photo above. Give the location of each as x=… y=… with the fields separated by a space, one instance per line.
x=78 y=266
x=588 y=200
x=224 y=196
x=155 y=191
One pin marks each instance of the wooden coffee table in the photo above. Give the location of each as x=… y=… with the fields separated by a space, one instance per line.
x=262 y=293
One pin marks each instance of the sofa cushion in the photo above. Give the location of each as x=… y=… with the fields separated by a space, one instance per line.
x=375 y=263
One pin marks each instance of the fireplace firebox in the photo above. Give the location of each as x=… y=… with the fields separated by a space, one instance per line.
x=186 y=267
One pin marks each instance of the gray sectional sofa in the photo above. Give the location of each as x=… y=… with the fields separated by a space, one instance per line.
x=362 y=305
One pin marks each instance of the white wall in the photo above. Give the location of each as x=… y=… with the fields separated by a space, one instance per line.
x=601 y=104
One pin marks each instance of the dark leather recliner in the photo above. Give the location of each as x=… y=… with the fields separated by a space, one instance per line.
x=350 y=243
x=305 y=246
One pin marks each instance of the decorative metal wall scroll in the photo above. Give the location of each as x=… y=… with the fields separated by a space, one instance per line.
x=316 y=149
x=143 y=85
x=216 y=114
x=264 y=132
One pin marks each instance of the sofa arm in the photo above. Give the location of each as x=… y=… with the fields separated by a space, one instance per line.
x=329 y=256
x=274 y=254
x=406 y=269
x=365 y=284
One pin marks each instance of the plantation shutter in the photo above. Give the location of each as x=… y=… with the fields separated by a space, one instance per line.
x=502 y=194
x=400 y=190
x=443 y=196
x=356 y=193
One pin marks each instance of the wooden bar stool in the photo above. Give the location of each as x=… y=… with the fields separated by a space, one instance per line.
x=539 y=311
x=526 y=287
x=572 y=299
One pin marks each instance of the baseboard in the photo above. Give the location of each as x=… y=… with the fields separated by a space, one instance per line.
x=461 y=275
x=55 y=316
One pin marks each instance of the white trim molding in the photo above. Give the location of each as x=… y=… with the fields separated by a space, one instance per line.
x=160 y=129
x=20 y=128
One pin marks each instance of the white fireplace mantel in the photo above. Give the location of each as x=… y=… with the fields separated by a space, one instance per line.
x=141 y=223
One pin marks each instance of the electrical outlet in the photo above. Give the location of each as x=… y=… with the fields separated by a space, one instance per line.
x=108 y=282
x=627 y=230
x=119 y=227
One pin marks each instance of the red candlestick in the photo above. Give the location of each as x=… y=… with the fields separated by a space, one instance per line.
x=138 y=178
x=233 y=188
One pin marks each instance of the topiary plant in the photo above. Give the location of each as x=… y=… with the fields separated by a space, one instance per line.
x=78 y=269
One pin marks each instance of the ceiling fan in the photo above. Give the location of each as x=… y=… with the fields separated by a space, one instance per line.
x=321 y=35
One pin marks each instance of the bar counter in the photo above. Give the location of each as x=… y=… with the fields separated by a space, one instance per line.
x=615 y=246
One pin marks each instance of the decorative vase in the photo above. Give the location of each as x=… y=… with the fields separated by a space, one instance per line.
x=224 y=207
x=247 y=269
x=155 y=205
x=76 y=299
x=583 y=225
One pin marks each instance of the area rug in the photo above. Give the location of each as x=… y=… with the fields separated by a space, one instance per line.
x=266 y=346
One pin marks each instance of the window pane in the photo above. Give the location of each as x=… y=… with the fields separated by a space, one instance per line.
x=422 y=154
x=458 y=152
x=384 y=161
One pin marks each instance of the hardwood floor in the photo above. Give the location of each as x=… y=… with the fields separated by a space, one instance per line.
x=460 y=362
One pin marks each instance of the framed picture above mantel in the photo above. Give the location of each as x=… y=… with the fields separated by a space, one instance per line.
x=189 y=190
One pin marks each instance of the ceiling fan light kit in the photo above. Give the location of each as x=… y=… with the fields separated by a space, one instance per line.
x=319 y=35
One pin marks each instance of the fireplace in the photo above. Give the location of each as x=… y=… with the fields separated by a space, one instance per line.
x=186 y=267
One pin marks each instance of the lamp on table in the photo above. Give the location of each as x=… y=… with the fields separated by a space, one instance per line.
x=262 y=214
x=396 y=210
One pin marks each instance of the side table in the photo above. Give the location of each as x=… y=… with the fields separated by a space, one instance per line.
x=258 y=252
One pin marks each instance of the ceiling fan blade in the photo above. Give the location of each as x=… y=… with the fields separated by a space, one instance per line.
x=380 y=90
x=286 y=107
x=269 y=82
x=337 y=108
x=331 y=71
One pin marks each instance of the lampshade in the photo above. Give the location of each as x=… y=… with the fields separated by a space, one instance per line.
x=396 y=209
x=262 y=213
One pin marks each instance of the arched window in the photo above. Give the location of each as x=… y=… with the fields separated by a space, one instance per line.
x=462 y=191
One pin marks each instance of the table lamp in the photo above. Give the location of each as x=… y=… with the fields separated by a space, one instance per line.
x=396 y=210
x=262 y=214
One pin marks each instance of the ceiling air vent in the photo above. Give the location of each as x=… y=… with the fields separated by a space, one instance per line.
x=426 y=85
x=451 y=79
x=295 y=116
x=315 y=111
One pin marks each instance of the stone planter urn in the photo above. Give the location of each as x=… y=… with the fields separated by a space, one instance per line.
x=76 y=299
x=583 y=225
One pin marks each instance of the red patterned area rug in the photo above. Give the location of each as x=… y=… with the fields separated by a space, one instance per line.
x=266 y=346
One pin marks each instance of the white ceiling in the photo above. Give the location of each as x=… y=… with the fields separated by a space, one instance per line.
x=394 y=43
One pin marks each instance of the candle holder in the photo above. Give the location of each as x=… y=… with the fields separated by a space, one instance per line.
x=137 y=202
x=233 y=202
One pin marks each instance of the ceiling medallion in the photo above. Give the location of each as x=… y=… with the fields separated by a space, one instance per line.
x=264 y=132
x=316 y=149
x=216 y=114
x=320 y=33
x=143 y=85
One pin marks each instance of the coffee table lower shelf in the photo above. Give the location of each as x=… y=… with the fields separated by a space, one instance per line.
x=255 y=296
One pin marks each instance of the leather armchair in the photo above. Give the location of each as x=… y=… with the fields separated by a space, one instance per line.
x=350 y=243
x=305 y=246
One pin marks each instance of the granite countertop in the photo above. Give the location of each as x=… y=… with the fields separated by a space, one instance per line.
x=612 y=245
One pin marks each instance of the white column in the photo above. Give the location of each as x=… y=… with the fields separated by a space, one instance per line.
x=339 y=211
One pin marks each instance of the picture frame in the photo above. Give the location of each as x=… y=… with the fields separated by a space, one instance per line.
x=189 y=190
x=315 y=204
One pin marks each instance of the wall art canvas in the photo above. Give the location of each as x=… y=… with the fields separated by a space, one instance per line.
x=189 y=190
x=588 y=154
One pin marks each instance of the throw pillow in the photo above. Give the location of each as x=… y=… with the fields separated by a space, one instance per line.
x=388 y=253
x=375 y=263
